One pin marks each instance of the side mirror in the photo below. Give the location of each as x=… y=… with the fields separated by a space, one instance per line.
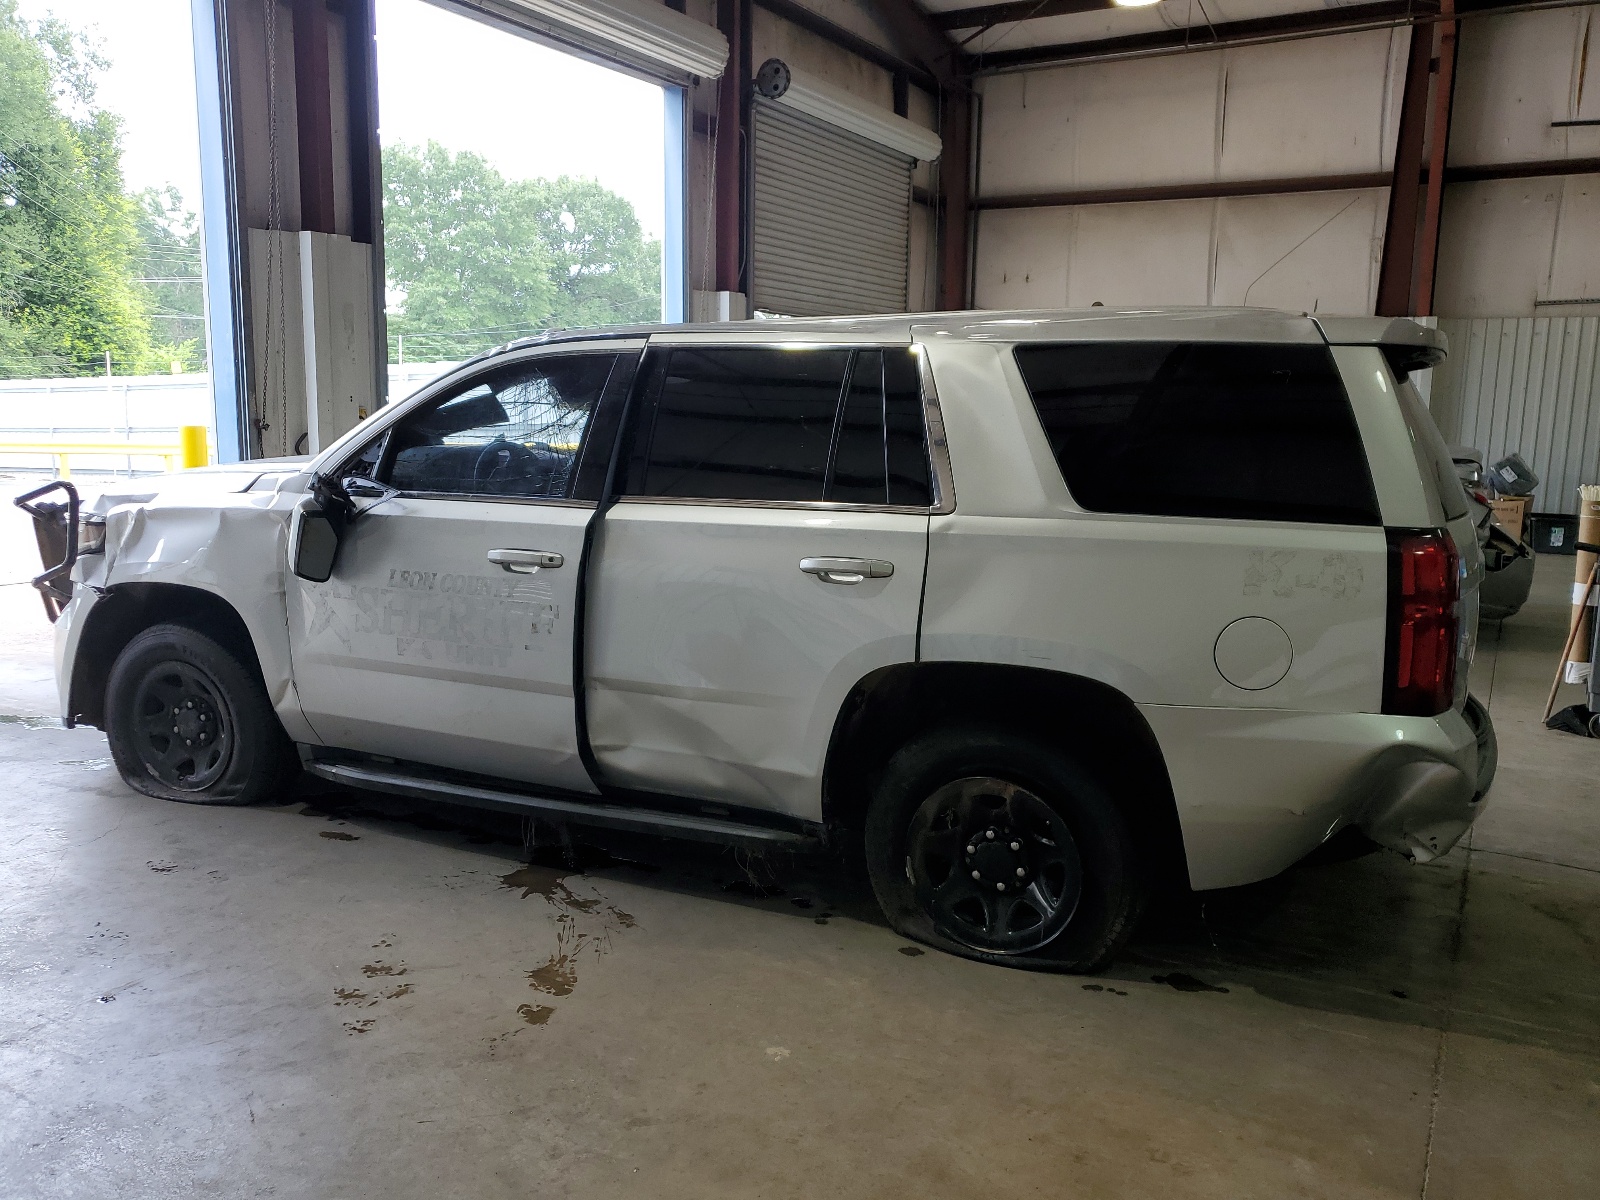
x=313 y=542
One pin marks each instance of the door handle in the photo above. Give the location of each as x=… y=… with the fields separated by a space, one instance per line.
x=525 y=562
x=847 y=570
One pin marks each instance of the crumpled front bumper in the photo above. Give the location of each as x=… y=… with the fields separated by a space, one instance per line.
x=1422 y=807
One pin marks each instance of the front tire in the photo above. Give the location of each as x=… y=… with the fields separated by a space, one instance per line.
x=997 y=848
x=189 y=720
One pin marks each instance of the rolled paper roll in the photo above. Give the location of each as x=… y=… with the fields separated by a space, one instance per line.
x=1582 y=614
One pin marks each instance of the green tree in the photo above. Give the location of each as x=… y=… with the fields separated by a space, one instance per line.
x=170 y=270
x=474 y=259
x=68 y=237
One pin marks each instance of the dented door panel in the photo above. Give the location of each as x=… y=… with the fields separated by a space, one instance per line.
x=717 y=665
x=421 y=649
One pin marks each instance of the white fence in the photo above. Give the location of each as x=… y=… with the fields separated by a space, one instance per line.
x=131 y=407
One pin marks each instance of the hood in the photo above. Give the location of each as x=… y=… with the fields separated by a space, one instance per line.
x=223 y=478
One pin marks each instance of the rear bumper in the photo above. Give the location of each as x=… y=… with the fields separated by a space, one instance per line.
x=1257 y=790
x=1423 y=807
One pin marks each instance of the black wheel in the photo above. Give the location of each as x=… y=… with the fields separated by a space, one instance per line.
x=188 y=720
x=997 y=848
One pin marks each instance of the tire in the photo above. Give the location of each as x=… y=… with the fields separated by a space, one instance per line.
x=1058 y=837
x=234 y=750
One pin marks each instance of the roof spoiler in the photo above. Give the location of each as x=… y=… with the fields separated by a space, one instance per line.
x=1407 y=345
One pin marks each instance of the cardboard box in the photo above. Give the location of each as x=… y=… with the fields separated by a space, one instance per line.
x=1512 y=513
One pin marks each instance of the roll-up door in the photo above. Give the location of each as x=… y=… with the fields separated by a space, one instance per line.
x=830 y=219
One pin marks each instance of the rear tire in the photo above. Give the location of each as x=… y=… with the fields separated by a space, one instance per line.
x=997 y=848
x=188 y=719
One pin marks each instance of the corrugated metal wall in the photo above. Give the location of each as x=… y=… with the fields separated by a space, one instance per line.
x=1529 y=385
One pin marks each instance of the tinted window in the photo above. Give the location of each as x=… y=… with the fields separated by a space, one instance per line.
x=514 y=432
x=1433 y=456
x=744 y=424
x=1202 y=430
x=880 y=454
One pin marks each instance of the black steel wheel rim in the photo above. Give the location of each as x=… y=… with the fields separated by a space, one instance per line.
x=994 y=866
x=183 y=729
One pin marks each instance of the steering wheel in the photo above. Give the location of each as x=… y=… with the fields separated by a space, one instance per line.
x=501 y=462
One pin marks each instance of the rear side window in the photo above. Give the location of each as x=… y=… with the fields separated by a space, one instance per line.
x=1202 y=429
x=1433 y=456
x=797 y=425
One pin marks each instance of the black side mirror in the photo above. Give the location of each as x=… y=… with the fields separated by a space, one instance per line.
x=313 y=543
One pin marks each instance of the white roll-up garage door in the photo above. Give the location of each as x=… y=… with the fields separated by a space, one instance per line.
x=830 y=219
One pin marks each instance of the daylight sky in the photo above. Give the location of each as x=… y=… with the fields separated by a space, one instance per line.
x=531 y=111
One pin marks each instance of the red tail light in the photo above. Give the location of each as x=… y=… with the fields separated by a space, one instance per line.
x=1424 y=619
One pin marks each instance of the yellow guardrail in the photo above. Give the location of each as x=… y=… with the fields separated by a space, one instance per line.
x=191 y=450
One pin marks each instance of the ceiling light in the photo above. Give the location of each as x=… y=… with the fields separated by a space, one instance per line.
x=1135 y=3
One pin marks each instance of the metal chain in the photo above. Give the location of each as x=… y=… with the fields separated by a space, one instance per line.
x=274 y=253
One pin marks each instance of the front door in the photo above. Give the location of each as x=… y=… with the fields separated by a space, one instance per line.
x=766 y=554
x=445 y=635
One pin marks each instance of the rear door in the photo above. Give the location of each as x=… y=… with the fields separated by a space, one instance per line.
x=766 y=553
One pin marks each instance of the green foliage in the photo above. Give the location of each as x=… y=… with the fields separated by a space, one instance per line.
x=474 y=259
x=68 y=234
x=169 y=249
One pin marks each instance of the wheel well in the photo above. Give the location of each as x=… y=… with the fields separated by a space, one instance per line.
x=1092 y=721
x=128 y=610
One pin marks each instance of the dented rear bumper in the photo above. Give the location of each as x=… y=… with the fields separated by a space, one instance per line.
x=1257 y=790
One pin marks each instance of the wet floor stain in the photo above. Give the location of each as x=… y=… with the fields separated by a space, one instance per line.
x=382 y=943
x=374 y=969
x=404 y=989
x=1100 y=987
x=822 y=919
x=1398 y=994
x=162 y=868
x=800 y=902
x=28 y=721
x=334 y=834
x=362 y=1026
x=535 y=1014
x=1187 y=983
x=557 y=977
x=345 y=997
x=912 y=951
x=549 y=882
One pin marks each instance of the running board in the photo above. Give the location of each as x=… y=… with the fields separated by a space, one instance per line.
x=699 y=827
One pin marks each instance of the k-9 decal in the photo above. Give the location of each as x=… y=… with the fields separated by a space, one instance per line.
x=1287 y=574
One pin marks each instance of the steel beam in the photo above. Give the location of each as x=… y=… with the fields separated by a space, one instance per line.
x=1187 y=191
x=1396 y=275
x=313 y=115
x=728 y=168
x=1438 y=149
x=986 y=15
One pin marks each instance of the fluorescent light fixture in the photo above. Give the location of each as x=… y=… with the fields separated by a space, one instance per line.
x=640 y=29
x=777 y=81
x=1134 y=3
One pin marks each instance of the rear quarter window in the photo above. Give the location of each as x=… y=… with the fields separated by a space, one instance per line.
x=1202 y=429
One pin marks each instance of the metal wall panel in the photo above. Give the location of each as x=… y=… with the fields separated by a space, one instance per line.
x=1529 y=385
x=830 y=220
x=1316 y=252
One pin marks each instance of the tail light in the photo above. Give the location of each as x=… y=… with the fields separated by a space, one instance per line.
x=1424 y=621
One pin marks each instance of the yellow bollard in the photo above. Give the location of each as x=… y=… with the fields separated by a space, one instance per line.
x=195 y=451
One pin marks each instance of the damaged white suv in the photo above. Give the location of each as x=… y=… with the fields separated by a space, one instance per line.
x=1049 y=607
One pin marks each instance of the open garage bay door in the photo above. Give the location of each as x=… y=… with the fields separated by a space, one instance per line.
x=830 y=219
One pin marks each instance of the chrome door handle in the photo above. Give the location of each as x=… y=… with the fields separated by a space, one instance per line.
x=847 y=570
x=525 y=562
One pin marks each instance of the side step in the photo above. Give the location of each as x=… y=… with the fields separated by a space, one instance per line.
x=598 y=813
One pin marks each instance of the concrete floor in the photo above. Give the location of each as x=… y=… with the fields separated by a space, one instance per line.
x=317 y=1000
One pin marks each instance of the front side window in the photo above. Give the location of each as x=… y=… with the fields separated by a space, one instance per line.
x=1202 y=429
x=795 y=425
x=515 y=431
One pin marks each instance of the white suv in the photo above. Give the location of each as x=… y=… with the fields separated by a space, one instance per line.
x=1050 y=607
